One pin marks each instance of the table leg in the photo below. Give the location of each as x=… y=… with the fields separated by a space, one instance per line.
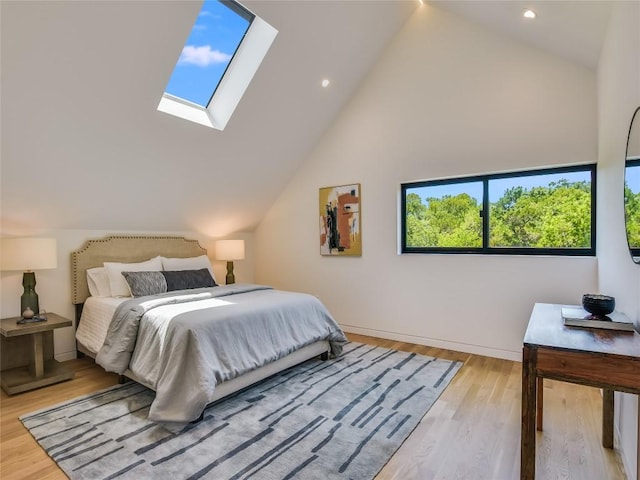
x=539 y=402
x=607 y=418
x=38 y=355
x=528 y=429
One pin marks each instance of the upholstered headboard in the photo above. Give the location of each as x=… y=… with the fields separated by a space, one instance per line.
x=118 y=248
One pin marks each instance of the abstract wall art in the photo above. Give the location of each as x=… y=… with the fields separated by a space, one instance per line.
x=340 y=226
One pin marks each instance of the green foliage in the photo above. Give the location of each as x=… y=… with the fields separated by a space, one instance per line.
x=558 y=215
x=450 y=221
x=632 y=216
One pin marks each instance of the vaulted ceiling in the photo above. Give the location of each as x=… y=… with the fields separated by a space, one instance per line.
x=84 y=147
x=572 y=29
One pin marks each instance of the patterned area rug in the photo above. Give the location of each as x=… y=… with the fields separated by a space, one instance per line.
x=337 y=419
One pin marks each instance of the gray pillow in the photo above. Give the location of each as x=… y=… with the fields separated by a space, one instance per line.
x=187 y=279
x=145 y=283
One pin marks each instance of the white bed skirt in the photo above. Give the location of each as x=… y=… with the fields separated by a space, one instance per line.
x=231 y=386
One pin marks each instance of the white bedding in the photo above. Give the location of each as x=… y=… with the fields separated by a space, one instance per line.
x=152 y=333
x=184 y=343
x=94 y=322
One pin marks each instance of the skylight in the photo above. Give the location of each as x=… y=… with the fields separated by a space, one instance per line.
x=214 y=39
x=224 y=50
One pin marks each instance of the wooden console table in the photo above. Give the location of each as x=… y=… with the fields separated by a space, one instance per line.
x=605 y=359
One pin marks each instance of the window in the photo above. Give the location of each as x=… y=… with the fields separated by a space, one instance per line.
x=549 y=211
x=443 y=214
x=224 y=50
x=632 y=204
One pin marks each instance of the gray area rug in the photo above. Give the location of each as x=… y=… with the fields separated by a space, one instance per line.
x=337 y=419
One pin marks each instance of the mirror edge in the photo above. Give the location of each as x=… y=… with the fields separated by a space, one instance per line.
x=635 y=255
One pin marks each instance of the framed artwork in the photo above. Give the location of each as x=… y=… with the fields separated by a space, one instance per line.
x=340 y=227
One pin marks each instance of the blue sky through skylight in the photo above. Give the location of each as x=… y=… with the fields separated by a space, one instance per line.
x=214 y=39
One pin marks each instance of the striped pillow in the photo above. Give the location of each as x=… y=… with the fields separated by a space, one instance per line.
x=145 y=283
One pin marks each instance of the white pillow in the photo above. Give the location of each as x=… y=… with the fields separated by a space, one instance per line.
x=190 y=263
x=119 y=286
x=98 y=282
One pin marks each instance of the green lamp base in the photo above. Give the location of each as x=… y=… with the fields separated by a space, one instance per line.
x=230 y=276
x=29 y=298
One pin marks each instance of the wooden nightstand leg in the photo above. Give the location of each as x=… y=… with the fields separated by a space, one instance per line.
x=607 y=418
x=37 y=367
x=539 y=403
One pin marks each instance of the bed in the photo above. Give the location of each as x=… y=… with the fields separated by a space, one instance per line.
x=197 y=345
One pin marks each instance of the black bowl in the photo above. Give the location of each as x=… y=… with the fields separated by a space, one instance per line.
x=598 y=304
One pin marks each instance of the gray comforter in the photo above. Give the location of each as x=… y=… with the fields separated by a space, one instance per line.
x=227 y=331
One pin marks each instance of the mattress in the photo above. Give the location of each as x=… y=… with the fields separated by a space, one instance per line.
x=94 y=322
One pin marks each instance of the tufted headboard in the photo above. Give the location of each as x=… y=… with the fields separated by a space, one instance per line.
x=120 y=248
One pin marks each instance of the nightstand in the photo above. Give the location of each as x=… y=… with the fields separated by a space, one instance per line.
x=27 y=354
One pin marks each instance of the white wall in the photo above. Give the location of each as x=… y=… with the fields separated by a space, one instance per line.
x=447 y=98
x=54 y=286
x=618 y=97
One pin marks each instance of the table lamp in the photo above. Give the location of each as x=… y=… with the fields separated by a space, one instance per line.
x=28 y=254
x=230 y=250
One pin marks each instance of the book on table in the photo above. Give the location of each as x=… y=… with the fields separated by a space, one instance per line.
x=578 y=317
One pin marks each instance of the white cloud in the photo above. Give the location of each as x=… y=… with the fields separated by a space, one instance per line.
x=207 y=13
x=202 y=56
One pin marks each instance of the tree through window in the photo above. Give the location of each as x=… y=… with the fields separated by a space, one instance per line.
x=549 y=211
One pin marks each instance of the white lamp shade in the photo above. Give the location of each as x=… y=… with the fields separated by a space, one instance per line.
x=28 y=254
x=230 y=249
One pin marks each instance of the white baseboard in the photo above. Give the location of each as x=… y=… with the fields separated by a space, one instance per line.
x=63 y=357
x=434 y=342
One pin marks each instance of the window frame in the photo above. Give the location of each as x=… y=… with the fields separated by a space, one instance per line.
x=485 y=249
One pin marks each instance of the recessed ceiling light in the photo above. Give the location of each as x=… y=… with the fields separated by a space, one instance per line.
x=529 y=14
x=325 y=83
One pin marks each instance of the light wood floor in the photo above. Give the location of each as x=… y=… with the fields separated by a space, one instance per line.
x=472 y=432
